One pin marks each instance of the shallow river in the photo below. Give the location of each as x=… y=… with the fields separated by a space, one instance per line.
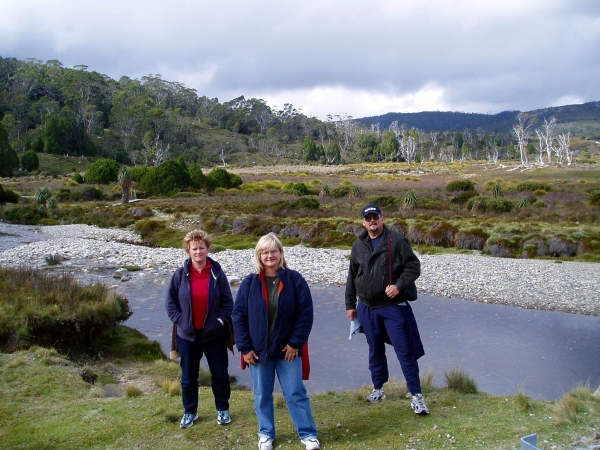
x=504 y=349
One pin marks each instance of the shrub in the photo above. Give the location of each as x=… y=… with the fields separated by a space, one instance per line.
x=30 y=160
x=103 y=171
x=440 y=234
x=384 y=201
x=24 y=214
x=197 y=176
x=539 y=204
x=55 y=310
x=499 y=205
x=78 y=178
x=341 y=191
x=296 y=188
x=138 y=172
x=306 y=203
x=540 y=192
x=532 y=185
x=460 y=185
x=463 y=198
x=594 y=198
x=9 y=160
x=220 y=178
x=87 y=194
x=8 y=196
x=166 y=179
x=473 y=239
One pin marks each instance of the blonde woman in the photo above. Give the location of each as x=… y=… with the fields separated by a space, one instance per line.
x=272 y=319
x=200 y=303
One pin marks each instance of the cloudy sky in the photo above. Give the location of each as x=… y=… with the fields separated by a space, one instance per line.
x=355 y=57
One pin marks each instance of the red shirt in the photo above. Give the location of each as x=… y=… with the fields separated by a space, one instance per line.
x=199 y=285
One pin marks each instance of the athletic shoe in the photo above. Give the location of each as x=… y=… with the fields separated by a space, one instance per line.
x=376 y=396
x=188 y=420
x=265 y=443
x=418 y=404
x=311 y=443
x=223 y=417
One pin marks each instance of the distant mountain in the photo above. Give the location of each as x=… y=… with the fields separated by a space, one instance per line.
x=580 y=119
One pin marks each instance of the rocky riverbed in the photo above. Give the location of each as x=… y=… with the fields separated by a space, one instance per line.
x=571 y=287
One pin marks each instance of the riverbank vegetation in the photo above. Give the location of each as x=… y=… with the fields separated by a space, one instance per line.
x=504 y=211
x=119 y=391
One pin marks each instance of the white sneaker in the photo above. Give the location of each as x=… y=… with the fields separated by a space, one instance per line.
x=311 y=443
x=376 y=396
x=418 y=404
x=265 y=443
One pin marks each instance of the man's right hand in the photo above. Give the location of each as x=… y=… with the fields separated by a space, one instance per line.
x=250 y=358
x=351 y=313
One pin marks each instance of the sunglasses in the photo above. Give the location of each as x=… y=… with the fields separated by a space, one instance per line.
x=372 y=217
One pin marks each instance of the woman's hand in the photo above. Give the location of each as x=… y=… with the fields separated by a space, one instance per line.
x=250 y=358
x=290 y=353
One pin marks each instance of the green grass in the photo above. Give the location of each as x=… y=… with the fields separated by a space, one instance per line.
x=50 y=406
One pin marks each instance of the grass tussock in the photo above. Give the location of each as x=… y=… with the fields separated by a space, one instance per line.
x=55 y=310
x=133 y=391
x=458 y=380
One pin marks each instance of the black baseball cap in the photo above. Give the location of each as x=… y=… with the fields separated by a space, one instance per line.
x=371 y=209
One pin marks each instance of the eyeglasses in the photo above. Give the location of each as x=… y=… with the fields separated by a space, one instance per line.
x=372 y=217
x=270 y=253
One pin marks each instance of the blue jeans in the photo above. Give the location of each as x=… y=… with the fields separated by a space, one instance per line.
x=218 y=363
x=294 y=392
x=376 y=323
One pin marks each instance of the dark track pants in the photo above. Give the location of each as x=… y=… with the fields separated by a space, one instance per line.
x=376 y=323
x=218 y=363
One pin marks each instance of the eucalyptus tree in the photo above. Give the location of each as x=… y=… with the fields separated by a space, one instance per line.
x=9 y=161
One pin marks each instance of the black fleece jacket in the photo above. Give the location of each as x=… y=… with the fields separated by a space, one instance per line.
x=368 y=273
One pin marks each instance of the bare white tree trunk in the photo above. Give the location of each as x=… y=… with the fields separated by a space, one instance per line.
x=564 y=147
x=522 y=131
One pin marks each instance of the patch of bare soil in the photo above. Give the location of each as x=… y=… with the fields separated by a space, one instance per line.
x=127 y=375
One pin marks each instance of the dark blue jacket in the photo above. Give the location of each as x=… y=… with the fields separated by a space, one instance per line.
x=293 y=322
x=179 y=303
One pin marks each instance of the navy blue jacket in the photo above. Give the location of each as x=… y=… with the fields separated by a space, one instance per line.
x=179 y=303
x=293 y=322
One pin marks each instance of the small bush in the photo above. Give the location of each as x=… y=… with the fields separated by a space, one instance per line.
x=499 y=205
x=473 y=239
x=539 y=204
x=533 y=185
x=384 y=201
x=594 y=198
x=341 y=191
x=306 y=203
x=460 y=185
x=540 y=192
x=459 y=380
x=133 y=391
x=463 y=198
x=78 y=178
x=103 y=171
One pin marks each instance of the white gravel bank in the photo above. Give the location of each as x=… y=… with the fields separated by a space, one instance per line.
x=572 y=287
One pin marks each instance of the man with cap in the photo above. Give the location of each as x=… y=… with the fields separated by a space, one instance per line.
x=383 y=269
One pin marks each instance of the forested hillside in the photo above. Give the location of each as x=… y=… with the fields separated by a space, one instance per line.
x=580 y=119
x=48 y=108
